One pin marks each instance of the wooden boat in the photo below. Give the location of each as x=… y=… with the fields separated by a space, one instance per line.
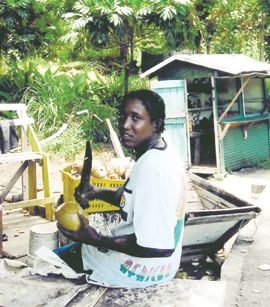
x=213 y=216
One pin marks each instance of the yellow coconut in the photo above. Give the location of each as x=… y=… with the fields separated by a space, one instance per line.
x=67 y=215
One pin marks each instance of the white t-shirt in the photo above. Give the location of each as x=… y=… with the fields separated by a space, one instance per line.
x=152 y=208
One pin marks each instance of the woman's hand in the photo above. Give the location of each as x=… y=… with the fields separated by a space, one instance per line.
x=85 y=234
x=84 y=197
x=126 y=244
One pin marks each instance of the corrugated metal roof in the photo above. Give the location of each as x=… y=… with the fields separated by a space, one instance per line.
x=234 y=64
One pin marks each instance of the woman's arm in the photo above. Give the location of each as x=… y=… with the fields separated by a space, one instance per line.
x=109 y=195
x=126 y=244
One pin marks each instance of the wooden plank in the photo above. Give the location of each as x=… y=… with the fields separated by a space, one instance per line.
x=55 y=135
x=206 y=185
x=46 y=187
x=192 y=196
x=220 y=218
x=92 y=297
x=233 y=210
x=199 y=169
x=216 y=200
x=234 y=99
x=24 y=148
x=20 y=157
x=197 y=149
x=32 y=183
x=116 y=144
x=194 y=206
x=23 y=121
x=12 y=181
x=33 y=140
x=211 y=204
x=30 y=203
x=224 y=131
x=12 y=106
x=36 y=146
x=19 y=121
x=215 y=120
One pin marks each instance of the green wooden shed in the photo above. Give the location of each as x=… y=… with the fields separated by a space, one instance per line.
x=217 y=109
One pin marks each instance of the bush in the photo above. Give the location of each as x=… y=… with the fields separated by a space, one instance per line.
x=68 y=145
x=264 y=164
x=56 y=93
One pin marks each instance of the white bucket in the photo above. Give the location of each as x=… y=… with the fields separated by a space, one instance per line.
x=43 y=235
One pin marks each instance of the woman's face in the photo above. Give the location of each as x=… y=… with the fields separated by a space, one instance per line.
x=136 y=127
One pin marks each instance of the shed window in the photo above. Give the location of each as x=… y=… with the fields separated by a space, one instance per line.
x=253 y=96
x=226 y=91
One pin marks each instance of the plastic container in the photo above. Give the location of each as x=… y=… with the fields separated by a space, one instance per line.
x=45 y=234
x=70 y=183
x=41 y=235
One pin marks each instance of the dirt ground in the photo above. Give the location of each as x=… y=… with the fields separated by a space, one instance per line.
x=247 y=268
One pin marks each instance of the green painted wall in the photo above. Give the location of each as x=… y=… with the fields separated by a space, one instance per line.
x=240 y=152
x=177 y=130
x=174 y=94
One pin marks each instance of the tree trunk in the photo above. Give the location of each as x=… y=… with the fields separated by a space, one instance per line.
x=123 y=60
x=126 y=77
x=131 y=40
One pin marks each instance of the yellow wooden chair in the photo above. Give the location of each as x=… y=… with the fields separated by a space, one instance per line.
x=29 y=157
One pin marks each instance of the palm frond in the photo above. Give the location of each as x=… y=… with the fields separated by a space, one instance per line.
x=71 y=37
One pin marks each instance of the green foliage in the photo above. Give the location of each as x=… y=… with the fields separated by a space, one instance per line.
x=264 y=164
x=14 y=81
x=106 y=24
x=169 y=16
x=265 y=26
x=267 y=87
x=228 y=26
x=122 y=23
x=68 y=145
x=28 y=26
x=53 y=97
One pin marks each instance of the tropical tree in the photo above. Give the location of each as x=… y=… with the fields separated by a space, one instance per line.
x=265 y=26
x=230 y=26
x=124 y=24
x=28 y=25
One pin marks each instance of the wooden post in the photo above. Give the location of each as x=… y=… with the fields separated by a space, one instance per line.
x=32 y=183
x=224 y=131
x=216 y=130
x=116 y=143
x=45 y=172
x=197 y=149
x=46 y=187
x=13 y=180
x=24 y=147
